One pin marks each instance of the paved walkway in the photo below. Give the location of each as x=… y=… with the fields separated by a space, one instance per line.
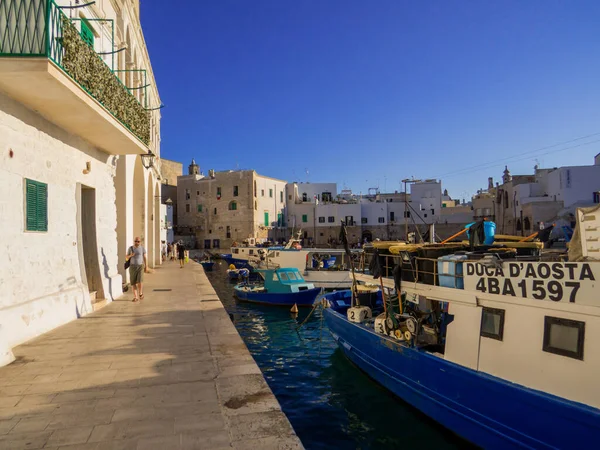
x=168 y=373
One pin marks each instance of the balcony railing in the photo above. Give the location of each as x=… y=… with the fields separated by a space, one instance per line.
x=38 y=28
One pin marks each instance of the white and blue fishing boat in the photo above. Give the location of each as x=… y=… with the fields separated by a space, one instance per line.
x=497 y=347
x=281 y=287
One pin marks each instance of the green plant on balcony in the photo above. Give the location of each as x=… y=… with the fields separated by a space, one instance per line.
x=84 y=65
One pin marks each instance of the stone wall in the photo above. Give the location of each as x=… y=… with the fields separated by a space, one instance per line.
x=42 y=273
x=170 y=170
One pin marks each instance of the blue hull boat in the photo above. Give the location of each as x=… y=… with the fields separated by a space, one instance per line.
x=302 y=298
x=208 y=265
x=488 y=411
x=279 y=287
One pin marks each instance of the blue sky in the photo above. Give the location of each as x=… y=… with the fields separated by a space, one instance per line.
x=366 y=93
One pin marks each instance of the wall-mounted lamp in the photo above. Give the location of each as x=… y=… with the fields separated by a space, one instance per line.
x=148 y=159
x=88 y=167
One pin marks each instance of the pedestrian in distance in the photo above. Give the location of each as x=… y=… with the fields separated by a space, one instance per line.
x=138 y=265
x=181 y=254
x=163 y=250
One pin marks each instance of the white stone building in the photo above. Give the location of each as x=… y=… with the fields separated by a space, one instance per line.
x=73 y=190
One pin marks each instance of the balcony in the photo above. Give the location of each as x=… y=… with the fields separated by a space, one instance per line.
x=48 y=67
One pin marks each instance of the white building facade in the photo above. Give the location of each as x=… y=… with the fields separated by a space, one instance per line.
x=71 y=175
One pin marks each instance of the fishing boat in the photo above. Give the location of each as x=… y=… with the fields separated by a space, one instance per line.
x=235 y=274
x=497 y=344
x=282 y=287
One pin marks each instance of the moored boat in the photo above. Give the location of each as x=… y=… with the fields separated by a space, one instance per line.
x=498 y=346
x=281 y=287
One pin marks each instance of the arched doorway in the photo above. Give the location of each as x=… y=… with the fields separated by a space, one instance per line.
x=157 y=221
x=367 y=236
x=138 y=210
x=150 y=244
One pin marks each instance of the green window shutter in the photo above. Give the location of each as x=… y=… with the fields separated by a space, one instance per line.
x=31 y=205
x=36 y=208
x=199 y=208
x=86 y=33
x=304 y=218
x=266 y=219
x=42 y=207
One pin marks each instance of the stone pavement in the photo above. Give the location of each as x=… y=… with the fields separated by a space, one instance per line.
x=170 y=372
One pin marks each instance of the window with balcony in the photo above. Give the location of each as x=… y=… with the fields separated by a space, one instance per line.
x=42 y=29
x=86 y=33
x=304 y=197
x=326 y=196
x=36 y=206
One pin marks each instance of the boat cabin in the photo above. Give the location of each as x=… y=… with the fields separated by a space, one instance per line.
x=284 y=280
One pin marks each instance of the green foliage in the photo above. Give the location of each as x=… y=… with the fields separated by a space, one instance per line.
x=82 y=63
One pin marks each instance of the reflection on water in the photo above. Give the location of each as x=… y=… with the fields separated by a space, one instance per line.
x=330 y=403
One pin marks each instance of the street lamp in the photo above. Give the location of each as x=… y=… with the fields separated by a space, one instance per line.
x=148 y=159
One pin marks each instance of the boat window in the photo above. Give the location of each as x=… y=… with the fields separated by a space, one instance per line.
x=492 y=323
x=292 y=276
x=251 y=252
x=283 y=276
x=564 y=337
x=236 y=250
x=274 y=276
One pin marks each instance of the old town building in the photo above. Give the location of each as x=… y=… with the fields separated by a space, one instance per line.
x=75 y=188
x=229 y=206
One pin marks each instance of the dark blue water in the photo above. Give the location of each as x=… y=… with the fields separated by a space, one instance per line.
x=328 y=400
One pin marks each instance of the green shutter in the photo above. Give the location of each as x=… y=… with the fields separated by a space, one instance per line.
x=304 y=218
x=36 y=208
x=86 y=33
x=31 y=205
x=279 y=220
x=266 y=219
x=199 y=208
x=42 y=207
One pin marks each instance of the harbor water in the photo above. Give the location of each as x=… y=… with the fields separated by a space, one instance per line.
x=329 y=402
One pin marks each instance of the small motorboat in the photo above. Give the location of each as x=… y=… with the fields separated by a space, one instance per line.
x=281 y=287
x=237 y=274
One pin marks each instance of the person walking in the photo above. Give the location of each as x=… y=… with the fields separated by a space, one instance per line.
x=163 y=251
x=138 y=264
x=181 y=254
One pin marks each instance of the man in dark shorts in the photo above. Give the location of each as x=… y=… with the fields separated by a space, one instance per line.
x=181 y=254
x=138 y=265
